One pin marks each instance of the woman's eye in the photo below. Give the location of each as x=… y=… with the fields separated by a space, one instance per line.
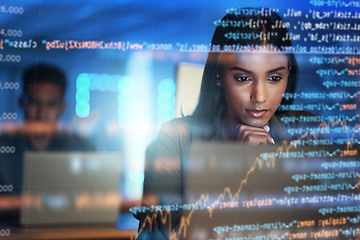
x=243 y=79
x=274 y=78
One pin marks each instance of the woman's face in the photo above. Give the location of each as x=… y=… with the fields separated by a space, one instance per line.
x=253 y=84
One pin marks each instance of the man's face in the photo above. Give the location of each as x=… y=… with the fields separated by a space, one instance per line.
x=44 y=103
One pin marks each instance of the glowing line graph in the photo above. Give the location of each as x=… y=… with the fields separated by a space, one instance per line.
x=165 y=215
x=343 y=125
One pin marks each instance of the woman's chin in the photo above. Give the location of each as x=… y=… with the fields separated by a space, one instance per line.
x=256 y=123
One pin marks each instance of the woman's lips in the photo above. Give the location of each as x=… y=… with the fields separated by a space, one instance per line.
x=257 y=113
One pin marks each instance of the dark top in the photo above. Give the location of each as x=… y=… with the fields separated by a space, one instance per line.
x=164 y=165
x=11 y=163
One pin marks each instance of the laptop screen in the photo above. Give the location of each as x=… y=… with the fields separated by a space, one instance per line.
x=68 y=188
x=277 y=192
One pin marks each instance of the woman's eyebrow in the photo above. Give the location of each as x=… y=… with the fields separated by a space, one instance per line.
x=248 y=71
x=240 y=69
x=277 y=69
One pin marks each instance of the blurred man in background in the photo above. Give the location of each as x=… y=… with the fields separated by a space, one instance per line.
x=42 y=102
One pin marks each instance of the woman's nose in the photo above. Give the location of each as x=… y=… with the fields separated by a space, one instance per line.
x=259 y=92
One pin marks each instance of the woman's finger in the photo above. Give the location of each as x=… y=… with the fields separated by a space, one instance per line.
x=254 y=135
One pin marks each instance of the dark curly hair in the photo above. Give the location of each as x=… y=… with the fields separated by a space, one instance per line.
x=42 y=73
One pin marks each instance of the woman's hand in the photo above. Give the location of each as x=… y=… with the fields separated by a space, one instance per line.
x=254 y=135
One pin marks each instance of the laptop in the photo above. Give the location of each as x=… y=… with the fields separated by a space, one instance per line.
x=66 y=188
x=237 y=191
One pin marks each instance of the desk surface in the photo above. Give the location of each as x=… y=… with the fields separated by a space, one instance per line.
x=68 y=233
x=124 y=228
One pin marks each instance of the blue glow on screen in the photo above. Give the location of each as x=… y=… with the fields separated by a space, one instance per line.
x=166 y=99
